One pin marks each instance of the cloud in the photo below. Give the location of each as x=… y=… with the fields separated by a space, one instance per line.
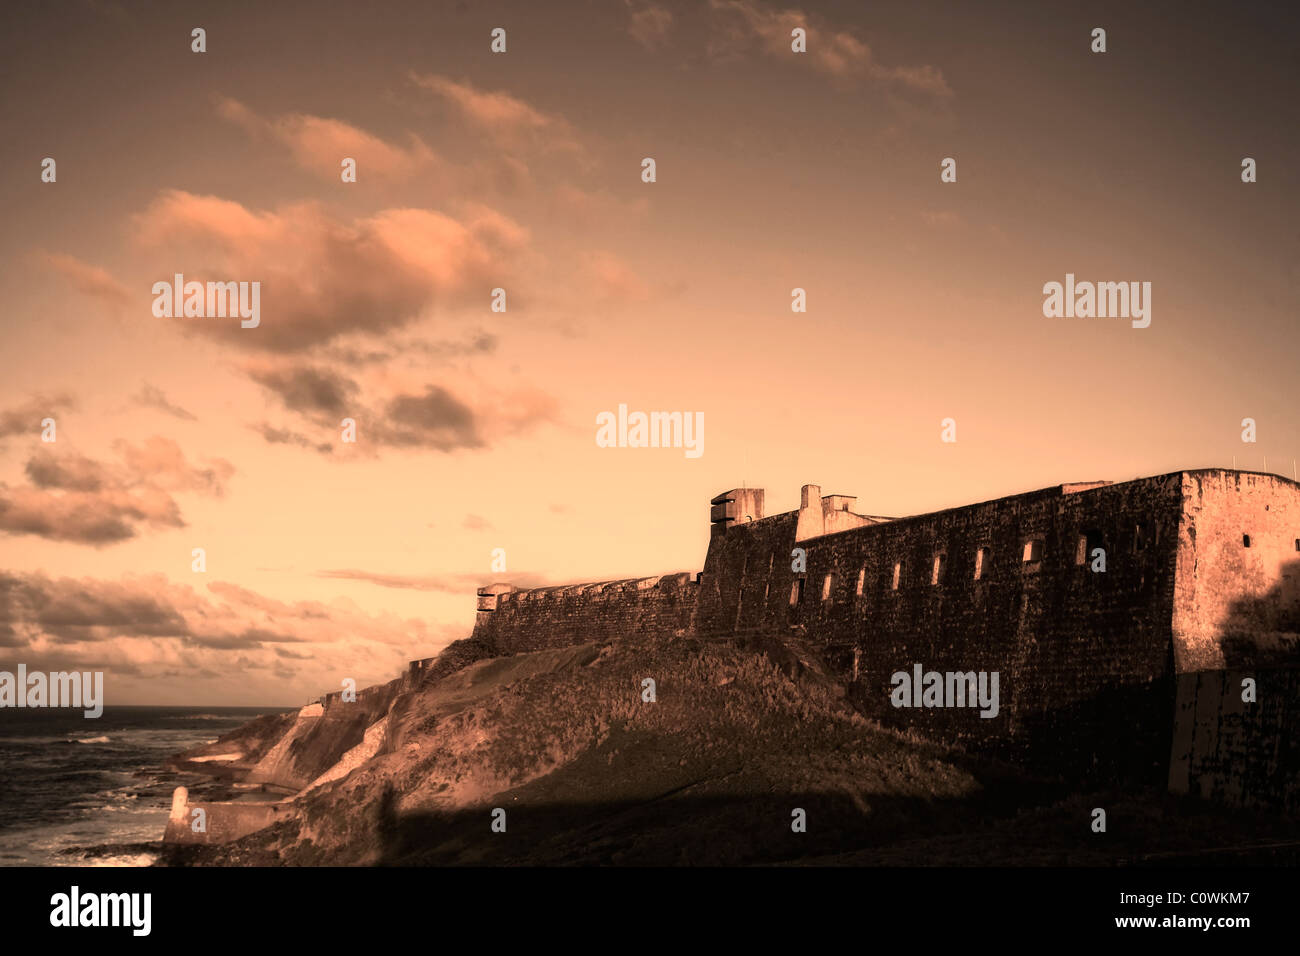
x=85 y=518
x=285 y=436
x=586 y=211
x=160 y=462
x=150 y=627
x=319 y=144
x=321 y=277
x=836 y=53
x=508 y=120
x=26 y=419
x=388 y=414
x=313 y=390
x=466 y=584
x=89 y=280
x=151 y=396
x=82 y=500
x=649 y=24
x=84 y=610
x=513 y=134
x=419 y=350
x=434 y=419
x=612 y=279
x=451 y=584
x=70 y=471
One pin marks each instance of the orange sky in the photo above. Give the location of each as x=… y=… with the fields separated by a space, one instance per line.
x=522 y=170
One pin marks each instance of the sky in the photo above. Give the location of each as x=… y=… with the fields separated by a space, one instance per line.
x=522 y=170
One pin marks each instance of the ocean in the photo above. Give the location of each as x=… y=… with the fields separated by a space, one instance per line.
x=79 y=792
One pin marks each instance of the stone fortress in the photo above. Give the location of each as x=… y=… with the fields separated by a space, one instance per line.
x=1142 y=671
x=1177 y=665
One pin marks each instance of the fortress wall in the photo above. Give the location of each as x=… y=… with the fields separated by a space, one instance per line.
x=557 y=617
x=1086 y=660
x=223 y=822
x=1073 y=648
x=416 y=671
x=1083 y=658
x=1238 y=606
x=374 y=700
x=1235 y=752
x=455 y=656
x=747 y=578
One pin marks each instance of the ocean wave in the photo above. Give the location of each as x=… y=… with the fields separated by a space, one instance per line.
x=88 y=740
x=205 y=717
x=118 y=808
x=126 y=859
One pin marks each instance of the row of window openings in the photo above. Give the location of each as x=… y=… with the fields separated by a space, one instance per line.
x=1031 y=554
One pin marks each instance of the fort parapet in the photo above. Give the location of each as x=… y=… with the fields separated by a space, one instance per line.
x=516 y=620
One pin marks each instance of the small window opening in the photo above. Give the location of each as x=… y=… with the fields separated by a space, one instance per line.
x=1090 y=540
x=1139 y=538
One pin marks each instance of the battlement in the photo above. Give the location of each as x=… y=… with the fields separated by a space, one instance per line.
x=494 y=596
x=512 y=620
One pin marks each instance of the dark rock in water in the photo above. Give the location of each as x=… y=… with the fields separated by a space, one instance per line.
x=112 y=849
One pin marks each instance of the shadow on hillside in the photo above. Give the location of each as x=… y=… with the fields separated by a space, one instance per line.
x=755 y=829
x=1120 y=735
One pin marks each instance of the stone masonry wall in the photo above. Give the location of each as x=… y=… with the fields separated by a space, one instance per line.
x=1237 y=752
x=1238 y=602
x=747 y=578
x=1083 y=658
x=540 y=618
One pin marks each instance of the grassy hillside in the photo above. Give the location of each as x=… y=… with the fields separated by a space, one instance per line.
x=589 y=773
